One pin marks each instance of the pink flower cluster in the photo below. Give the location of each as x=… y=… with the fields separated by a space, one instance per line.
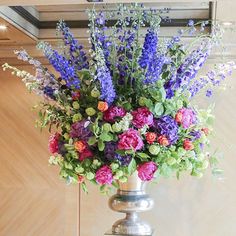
x=186 y=117
x=113 y=112
x=142 y=116
x=146 y=170
x=130 y=139
x=104 y=175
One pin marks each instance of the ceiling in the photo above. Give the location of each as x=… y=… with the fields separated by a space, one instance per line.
x=32 y=21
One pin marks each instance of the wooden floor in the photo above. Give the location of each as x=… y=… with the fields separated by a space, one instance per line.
x=33 y=200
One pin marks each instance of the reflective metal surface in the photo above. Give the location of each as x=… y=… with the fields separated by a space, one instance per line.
x=131 y=199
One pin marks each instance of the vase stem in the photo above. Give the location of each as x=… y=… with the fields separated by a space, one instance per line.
x=130 y=199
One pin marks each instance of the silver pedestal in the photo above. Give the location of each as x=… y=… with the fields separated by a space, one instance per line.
x=131 y=199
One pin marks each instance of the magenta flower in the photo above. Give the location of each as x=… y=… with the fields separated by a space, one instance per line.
x=147 y=170
x=142 y=116
x=186 y=117
x=104 y=175
x=130 y=140
x=53 y=144
x=113 y=112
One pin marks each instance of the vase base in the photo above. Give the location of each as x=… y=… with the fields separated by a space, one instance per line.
x=110 y=233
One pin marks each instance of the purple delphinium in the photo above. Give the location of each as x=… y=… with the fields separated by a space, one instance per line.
x=209 y=93
x=213 y=78
x=62 y=65
x=187 y=70
x=149 y=49
x=46 y=82
x=107 y=89
x=196 y=134
x=124 y=52
x=77 y=55
x=111 y=155
x=154 y=69
x=80 y=130
x=167 y=126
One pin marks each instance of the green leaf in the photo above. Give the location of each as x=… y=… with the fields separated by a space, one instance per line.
x=101 y=145
x=92 y=141
x=106 y=137
x=143 y=155
x=84 y=187
x=158 y=109
x=132 y=166
x=149 y=103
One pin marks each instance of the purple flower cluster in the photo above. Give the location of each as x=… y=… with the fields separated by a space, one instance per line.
x=167 y=126
x=154 y=69
x=213 y=77
x=111 y=155
x=62 y=65
x=149 y=49
x=80 y=130
x=125 y=51
x=77 y=55
x=196 y=134
x=188 y=70
x=107 y=89
x=46 y=82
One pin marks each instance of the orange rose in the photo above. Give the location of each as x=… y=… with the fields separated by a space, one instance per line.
x=102 y=106
x=150 y=137
x=179 y=117
x=188 y=145
x=162 y=140
x=80 y=146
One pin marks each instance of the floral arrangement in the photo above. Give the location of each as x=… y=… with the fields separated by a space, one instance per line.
x=127 y=106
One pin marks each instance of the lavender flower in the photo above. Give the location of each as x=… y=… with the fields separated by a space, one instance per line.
x=167 y=126
x=80 y=130
x=77 y=55
x=62 y=65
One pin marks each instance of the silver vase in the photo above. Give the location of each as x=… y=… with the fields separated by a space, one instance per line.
x=131 y=199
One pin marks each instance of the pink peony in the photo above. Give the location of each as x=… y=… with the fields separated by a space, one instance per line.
x=113 y=112
x=186 y=117
x=104 y=175
x=142 y=116
x=147 y=170
x=53 y=144
x=130 y=140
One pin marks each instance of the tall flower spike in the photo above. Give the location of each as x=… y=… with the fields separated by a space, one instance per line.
x=188 y=70
x=62 y=65
x=108 y=93
x=149 y=49
x=77 y=55
x=46 y=82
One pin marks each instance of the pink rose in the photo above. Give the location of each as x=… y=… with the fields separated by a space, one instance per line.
x=113 y=112
x=104 y=175
x=147 y=170
x=53 y=144
x=142 y=116
x=130 y=140
x=186 y=117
